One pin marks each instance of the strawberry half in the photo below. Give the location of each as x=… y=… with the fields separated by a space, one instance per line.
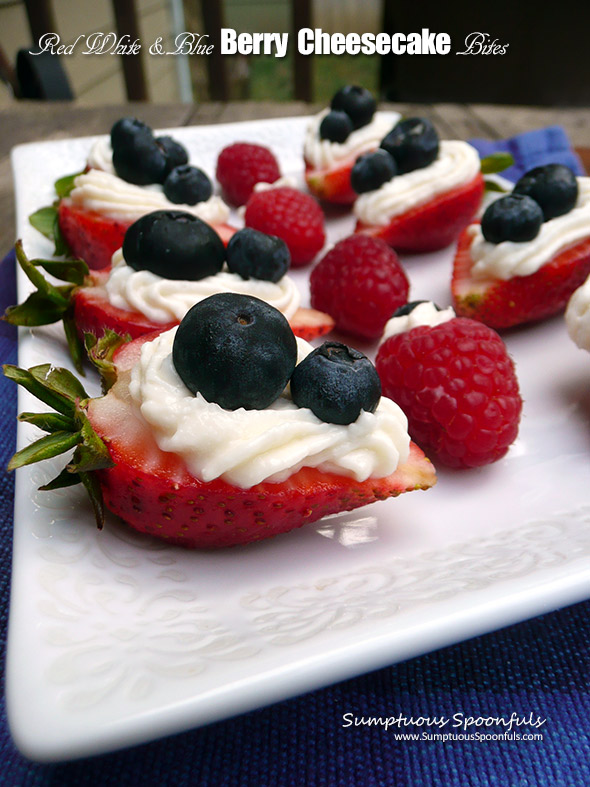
x=434 y=225
x=331 y=184
x=94 y=238
x=84 y=307
x=93 y=313
x=152 y=490
x=505 y=303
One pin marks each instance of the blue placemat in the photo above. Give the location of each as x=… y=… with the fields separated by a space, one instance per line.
x=536 y=670
x=532 y=149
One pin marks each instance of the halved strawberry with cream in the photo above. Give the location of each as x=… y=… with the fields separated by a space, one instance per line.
x=516 y=266
x=94 y=237
x=431 y=225
x=120 y=459
x=422 y=209
x=331 y=184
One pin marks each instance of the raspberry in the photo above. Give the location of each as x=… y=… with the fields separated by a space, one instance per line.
x=457 y=385
x=360 y=283
x=240 y=166
x=291 y=215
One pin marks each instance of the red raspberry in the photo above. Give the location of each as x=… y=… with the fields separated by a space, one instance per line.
x=240 y=166
x=457 y=385
x=291 y=215
x=360 y=283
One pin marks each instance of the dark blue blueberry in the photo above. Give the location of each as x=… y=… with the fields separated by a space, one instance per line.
x=140 y=160
x=515 y=217
x=125 y=129
x=235 y=350
x=255 y=255
x=174 y=245
x=336 y=383
x=186 y=185
x=408 y=308
x=372 y=170
x=357 y=102
x=413 y=143
x=336 y=126
x=553 y=186
x=176 y=154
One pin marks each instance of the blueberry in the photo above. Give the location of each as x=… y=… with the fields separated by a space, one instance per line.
x=336 y=382
x=174 y=245
x=125 y=129
x=408 y=308
x=186 y=185
x=357 y=102
x=176 y=154
x=336 y=126
x=413 y=143
x=372 y=170
x=255 y=255
x=515 y=217
x=140 y=160
x=553 y=186
x=235 y=350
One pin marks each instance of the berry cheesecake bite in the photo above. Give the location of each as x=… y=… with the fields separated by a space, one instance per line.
x=169 y=261
x=417 y=192
x=129 y=174
x=202 y=441
x=336 y=137
x=529 y=253
x=454 y=380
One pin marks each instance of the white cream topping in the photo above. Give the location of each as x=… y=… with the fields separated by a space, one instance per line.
x=457 y=163
x=424 y=314
x=113 y=197
x=321 y=153
x=101 y=156
x=246 y=447
x=577 y=316
x=507 y=259
x=165 y=300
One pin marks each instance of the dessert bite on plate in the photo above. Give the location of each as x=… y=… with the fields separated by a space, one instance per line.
x=529 y=253
x=129 y=174
x=454 y=380
x=169 y=261
x=226 y=429
x=417 y=192
x=336 y=137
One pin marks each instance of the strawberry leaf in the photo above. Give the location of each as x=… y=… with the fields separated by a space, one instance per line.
x=49 y=422
x=53 y=294
x=492 y=185
x=94 y=490
x=100 y=353
x=64 y=186
x=74 y=271
x=43 y=220
x=496 y=162
x=64 y=479
x=36 y=310
x=91 y=453
x=56 y=400
x=45 y=448
x=60 y=381
x=73 y=339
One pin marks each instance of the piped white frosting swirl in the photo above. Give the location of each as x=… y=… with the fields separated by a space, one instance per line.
x=457 y=164
x=577 y=316
x=507 y=259
x=322 y=153
x=424 y=314
x=246 y=447
x=166 y=300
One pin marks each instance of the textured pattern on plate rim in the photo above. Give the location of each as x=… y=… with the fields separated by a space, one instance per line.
x=182 y=637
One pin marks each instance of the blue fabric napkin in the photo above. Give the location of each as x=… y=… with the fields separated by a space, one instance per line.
x=532 y=149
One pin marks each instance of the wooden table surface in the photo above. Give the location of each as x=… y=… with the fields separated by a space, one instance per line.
x=32 y=121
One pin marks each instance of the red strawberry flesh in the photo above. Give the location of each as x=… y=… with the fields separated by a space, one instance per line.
x=154 y=493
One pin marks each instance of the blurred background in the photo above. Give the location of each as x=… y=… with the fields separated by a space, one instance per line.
x=544 y=63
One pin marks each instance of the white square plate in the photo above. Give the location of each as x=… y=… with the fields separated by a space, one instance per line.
x=116 y=639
